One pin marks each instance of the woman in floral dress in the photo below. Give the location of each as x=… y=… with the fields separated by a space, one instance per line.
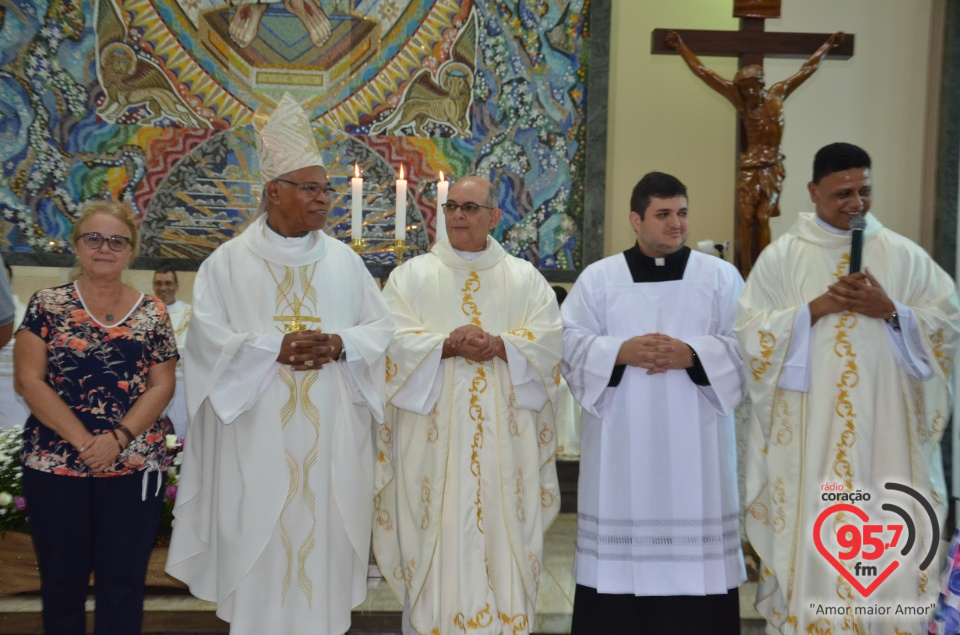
x=94 y=360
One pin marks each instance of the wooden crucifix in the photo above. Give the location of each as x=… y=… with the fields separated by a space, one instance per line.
x=761 y=173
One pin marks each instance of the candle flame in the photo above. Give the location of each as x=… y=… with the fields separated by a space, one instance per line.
x=356 y=170
x=441 y=176
x=401 y=171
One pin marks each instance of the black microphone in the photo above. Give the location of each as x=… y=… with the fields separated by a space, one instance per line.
x=856 y=243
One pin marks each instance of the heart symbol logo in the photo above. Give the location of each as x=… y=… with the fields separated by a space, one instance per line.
x=862 y=515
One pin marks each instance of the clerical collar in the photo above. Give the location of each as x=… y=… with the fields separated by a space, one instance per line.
x=830 y=228
x=643 y=268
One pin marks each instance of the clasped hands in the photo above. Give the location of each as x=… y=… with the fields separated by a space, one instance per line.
x=100 y=451
x=858 y=292
x=656 y=352
x=309 y=350
x=472 y=342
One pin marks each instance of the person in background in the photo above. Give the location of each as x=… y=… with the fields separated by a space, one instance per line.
x=94 y=361
x=166 y=286
x=19 y=308
x=6 y=309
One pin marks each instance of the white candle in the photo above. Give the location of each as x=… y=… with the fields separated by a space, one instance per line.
x=442 y=187
x=356 y=185
x=401 y=231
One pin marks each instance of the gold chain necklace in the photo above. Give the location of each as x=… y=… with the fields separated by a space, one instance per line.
x=296 y=321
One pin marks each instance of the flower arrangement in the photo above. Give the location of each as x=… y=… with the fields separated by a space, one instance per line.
x=15 y=508
x=174 y=447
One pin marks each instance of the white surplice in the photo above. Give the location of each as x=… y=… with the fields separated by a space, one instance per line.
x=849 y=401
x=466 y=477
x=274 y=506
x=657 y=498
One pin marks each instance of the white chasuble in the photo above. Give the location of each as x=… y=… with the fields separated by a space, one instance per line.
x=274 y=506
x=865 y=420
x=466 y=477
x=657 y=498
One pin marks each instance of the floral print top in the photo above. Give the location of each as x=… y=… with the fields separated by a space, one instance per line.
x=99 y=371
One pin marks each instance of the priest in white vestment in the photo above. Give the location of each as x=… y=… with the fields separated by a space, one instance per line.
x=165 y=286
x=285 y=367
x=849 y=378
x=650 y=354
x=466 y=479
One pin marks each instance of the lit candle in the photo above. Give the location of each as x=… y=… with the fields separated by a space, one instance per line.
x=442 y=187
x=356 y=185
x=401 y=232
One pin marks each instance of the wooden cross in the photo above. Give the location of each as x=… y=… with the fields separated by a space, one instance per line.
x=750 y=44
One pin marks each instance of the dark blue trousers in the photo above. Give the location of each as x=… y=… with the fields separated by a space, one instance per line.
x=101 y=525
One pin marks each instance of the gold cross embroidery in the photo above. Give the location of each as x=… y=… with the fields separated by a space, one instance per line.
x=296 y=323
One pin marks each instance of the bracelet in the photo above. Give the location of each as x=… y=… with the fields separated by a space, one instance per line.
x=117 y=439
x=122 y=428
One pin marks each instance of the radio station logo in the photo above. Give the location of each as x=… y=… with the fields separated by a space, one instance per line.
x=861 y=546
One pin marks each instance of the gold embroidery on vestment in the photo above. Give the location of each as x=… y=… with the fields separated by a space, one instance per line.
x=392 y=369
x=512 y=425
x=535 y=568
x=516 y=623
x=849 y=379
x=477 y=387
x=295 y=322
x=781 y=408
x=425 y=495
x=521 y=514
x=482 y=619
x=758 y=366
x=312 y=414
x=547 y=499
x=780 y=499
x=285 y=539
x=820 y=627
x=760 y=512
x=945 y=361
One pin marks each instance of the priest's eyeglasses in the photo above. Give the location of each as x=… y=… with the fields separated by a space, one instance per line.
x=93 y=240
x=468 y=208
x=311 y=187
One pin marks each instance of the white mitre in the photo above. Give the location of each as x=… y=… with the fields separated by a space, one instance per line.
x=285 y=140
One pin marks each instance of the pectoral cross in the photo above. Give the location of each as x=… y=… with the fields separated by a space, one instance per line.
x=296 y=321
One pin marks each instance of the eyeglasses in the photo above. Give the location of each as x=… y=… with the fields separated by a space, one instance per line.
x=312 y=188
x=468 y=208
x=93 y=240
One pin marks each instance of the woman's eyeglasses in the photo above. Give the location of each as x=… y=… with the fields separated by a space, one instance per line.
x=93 y=240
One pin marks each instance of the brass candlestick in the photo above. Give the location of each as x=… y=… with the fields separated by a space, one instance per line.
x=357 y=245
x=400 y=246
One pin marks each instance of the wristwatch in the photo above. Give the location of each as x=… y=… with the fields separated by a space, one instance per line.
x=893 y=321
x=342 y=357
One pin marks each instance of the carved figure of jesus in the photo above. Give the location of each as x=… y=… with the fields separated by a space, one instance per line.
x=760 y=180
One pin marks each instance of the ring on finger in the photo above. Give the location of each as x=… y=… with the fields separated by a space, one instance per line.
x=309 y=362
